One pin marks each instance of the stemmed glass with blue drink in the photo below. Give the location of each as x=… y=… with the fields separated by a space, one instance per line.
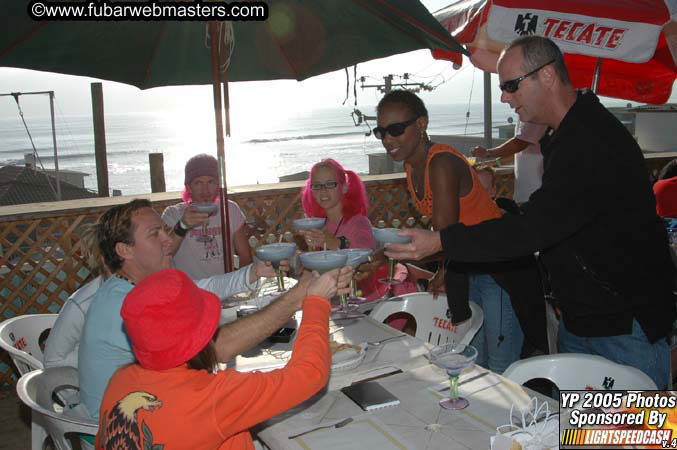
x=453 y=358
x=275 y=253
x=356 y=256
x=390 y=236
x=324 y=261
x=309 y=223
x=207 y=208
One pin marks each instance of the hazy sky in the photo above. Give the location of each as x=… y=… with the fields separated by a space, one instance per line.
x=73 y=93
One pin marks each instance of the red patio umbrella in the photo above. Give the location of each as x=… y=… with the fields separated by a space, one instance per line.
x=621 y=48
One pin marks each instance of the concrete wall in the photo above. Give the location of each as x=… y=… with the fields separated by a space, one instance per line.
x=381 y=163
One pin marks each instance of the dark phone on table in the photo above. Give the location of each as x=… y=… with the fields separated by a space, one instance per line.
x=282 y=335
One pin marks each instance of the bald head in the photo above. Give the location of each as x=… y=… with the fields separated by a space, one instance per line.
x=535 y=81
x=537 y=51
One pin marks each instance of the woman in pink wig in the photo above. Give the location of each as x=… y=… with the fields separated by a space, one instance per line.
x=340 y=196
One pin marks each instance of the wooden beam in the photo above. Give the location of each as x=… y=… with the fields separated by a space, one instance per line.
x=99 y=140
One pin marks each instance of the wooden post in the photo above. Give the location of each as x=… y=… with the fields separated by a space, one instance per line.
x=99 y=140
x=488 y=138
x=56 y=156
x=220 y=147
x=157 y=172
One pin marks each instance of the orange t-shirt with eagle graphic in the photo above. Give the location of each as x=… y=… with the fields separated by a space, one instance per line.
x=475 y=207
x=182 y=408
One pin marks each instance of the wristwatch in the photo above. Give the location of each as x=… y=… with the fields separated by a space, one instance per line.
x=343 y=242
x=179 y=230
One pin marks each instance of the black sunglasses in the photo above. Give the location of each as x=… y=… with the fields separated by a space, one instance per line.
x=511 y=86
x=394 y=129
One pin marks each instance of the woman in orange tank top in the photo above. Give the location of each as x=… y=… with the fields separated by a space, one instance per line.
x=443 y=186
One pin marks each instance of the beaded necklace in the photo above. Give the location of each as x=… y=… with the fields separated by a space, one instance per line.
x=122 y=277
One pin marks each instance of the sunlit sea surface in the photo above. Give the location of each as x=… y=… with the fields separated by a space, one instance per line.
x=264 y=145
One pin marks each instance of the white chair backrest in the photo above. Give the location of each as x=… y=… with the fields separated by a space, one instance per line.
x=20 y=337
x=36 y=388
x=577 y=371
x=432 y=317
x=551 y=327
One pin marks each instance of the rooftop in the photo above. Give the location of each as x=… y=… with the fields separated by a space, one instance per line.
x=21 y=184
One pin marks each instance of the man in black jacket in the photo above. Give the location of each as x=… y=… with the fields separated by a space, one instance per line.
x=593 y=220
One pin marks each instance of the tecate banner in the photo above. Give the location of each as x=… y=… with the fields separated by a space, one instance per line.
x=576 y=33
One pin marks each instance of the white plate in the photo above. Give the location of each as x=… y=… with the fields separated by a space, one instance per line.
x=349 y=358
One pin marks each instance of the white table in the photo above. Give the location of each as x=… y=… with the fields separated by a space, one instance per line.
x=402 y=353
x=417 y=423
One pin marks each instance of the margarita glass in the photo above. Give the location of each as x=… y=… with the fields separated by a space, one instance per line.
x=208 y=208
x=390 y=236
x=453 y=358
x=276 y=253
x=309 y=223
x=356 y=256
x=324 y=261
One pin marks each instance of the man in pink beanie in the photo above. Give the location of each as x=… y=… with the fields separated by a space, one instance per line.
x=197 y=245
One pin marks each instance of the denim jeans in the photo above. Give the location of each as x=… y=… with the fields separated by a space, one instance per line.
x=499 y=341
x=630 y=349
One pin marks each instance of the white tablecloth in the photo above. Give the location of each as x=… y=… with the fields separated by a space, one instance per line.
x=403 y=353
x=417 y=423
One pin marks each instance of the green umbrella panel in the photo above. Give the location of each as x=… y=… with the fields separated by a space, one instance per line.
x=298 y=40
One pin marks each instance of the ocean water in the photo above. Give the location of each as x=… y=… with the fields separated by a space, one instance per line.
x=263 y=146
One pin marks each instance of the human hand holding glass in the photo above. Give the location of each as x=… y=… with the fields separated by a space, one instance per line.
x=423 y=243
x=356 y=256
x=315 y=239
x=390 y=236
x=209 y=209
x=323 y=261
x=307 y=228
x=276 y=253
x=331 y=282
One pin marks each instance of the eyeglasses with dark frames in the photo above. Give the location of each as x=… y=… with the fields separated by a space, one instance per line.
x=328 y=185
x=394 y=129
x=511 y=86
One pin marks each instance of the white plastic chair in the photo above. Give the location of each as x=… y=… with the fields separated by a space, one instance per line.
x=35 y=389
x=552 y=328
x=432 y=318
x=19 y=336
x=578 y=371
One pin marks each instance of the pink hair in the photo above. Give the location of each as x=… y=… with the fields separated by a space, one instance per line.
x=354 y=201
x=185 y=195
